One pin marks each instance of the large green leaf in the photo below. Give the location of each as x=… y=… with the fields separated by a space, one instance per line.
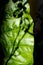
x=15 y=40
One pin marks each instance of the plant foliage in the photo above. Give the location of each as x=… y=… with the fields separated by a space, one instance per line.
x=17 y=34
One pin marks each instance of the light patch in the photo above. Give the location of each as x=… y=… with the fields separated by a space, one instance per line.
x=31 y=20
x=17 y=53
x=16 y=40
x=21 y=58
x=22 y=32
x=10 y=50
x=29 y=41
x=17 y=22
x=10 y=22
x=27 y=5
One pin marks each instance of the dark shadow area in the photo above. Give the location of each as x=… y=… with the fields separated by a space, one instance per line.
x=38 y=37
x=2 y=14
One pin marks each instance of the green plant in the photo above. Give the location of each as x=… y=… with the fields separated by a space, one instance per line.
x=17 y=34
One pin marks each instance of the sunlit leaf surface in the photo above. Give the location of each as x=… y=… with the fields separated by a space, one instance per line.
x=15 y=37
